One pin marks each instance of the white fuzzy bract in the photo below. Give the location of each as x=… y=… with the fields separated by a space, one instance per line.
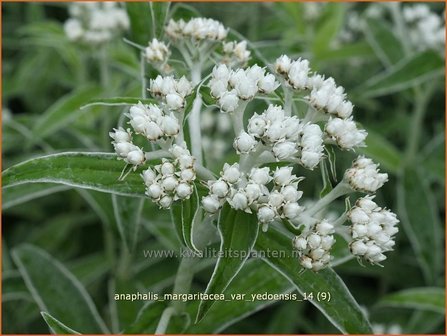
x=287 y=137
x=345 y=133
x=249 y=192
x=364 y=175
x=172 y=179
x=156 y=51
x=232 y=86
x=236 y=52
x=196 y=29
x=314 y=246
x=125 y=149
x=172 y=91
x=372 y=230
x=152 y=122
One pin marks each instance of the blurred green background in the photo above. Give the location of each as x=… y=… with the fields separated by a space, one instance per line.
x=399 y=94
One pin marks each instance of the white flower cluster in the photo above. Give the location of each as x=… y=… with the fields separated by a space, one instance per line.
x=152 y=122
x=426 y=28
x=364 y=175
x=156 y=51
x=95 y=22
x=230 y=87
x=126 y=150
x=345 y=133
x=237 y=51
x=372 y=230
x=196 y=29
x=314 y=245
x=172 y=91
x=324 y=96
x=288 y=137
x=171 y=180
x=250 y=192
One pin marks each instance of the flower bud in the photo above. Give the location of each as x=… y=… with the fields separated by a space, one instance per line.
x=291 y=210
x=276 y=199
x=123 y=148
x=183 y=190
x=153 y=131
x=186 y=161
x=165 y=202
x=210 y=204
x=239 y=201
x=218 y=87
x=169 y=183
x=253 y=192
x=284 y=150
x=268 y=84
x=260 y=175
x=120 y=135
x=187 y=174
x=231 y=174
x=256 y=125
x=244 y=143
x=174 y=101
x=265 y=214
x=299 y=243
x=183 y=87
x=283 y=175
x=220 y=188
x=325 y=228
x=221 y=72
x=228 y=101
x=149 y=176
x=246 y=89
x=282 y=64
x=290 y=193
x=154 y=191
x=170 y=125
x=136 y=157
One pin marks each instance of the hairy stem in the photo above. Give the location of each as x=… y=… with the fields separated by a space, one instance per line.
x=194 y=119
x=143 y=76
x=341 y=189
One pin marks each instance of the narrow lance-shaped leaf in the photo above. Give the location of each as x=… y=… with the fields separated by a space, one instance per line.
x=96 y=171
x=24 y=193
x=332 y=23
x=255 y=278
x=159 y=15
x=118 y=101
x=407 y=73
x=186 y=214
x=53 y=286
x=149 y=316
x=140 y=21
x=420 y=220
x=57 y=327
x=238 y=231
x=63 y=111
x=425 y=298
x=127 y=212
x=385 y=44
x=341 y=310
